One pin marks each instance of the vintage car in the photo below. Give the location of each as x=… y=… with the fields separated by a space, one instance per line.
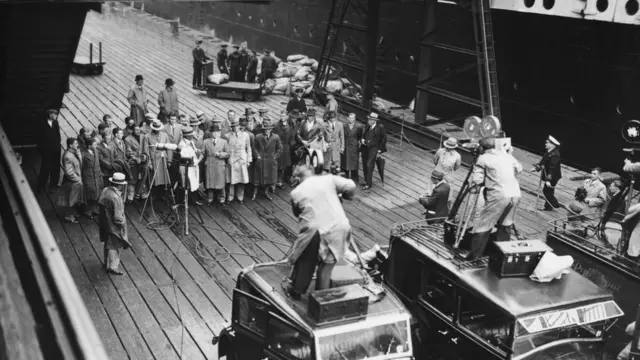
x=268 y=324
x=589 y=242
x=464 y=310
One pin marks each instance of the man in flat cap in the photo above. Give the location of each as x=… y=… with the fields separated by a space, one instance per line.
x=269 y=66
x=436 y=202
x=243 y=63
x=297 y=102
x=551 y=173
x=234 y=64
x=199 y=59
x=221 y=59
x=49 y=149
x=168 y=101
x=137 y=97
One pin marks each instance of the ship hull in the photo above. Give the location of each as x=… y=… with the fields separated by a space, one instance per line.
x=574 y=79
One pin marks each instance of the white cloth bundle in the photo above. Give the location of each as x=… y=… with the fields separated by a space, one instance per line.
x=551 y=266
x=218 y=78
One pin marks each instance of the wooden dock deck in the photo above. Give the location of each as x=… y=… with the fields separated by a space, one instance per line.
x=176 y=291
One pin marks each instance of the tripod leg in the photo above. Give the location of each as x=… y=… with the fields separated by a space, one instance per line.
x=153 y=179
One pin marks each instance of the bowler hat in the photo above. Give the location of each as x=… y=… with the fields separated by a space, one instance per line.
x=187 y=131
x=139 y=77
x=169 y=82
x=437 y=175
x=156 y=125
x=118 y=179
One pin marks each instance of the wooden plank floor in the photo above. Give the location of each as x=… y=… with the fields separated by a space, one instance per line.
x=175 y=294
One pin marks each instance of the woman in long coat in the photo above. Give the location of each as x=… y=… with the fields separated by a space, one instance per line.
x=239 y=160
x=137 y=187
x=266 y=151
x=71 y=193
x=216 y=152
x=350 y=158
x=91 y=177
x=287 y=134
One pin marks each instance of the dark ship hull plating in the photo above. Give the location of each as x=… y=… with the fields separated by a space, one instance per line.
x=575 y=79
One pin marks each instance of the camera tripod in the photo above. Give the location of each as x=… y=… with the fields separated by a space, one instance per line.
x=167 y=187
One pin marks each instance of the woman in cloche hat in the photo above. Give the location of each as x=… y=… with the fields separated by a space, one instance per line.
x=447 y=159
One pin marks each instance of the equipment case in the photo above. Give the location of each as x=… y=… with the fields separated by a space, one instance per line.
x=341 y=303
x=516 y=258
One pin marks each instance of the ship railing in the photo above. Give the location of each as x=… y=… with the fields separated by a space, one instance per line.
x=66 y=330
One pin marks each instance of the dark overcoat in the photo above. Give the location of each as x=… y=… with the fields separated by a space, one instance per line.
x=133 y=156
x=92 y=175
x=72 y=192
x=550 y=166
x=287 y=138
x=352 y=137
x=106 y=159
x=265 y=157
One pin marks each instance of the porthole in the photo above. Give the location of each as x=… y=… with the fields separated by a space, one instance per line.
x=275 y=23
x=602 y=5
x=529 y=3
x=632 y=7
x=548 y=4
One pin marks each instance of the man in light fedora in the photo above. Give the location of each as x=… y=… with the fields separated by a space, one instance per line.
x=448 y=159
x=373 y=145
x=137 y=98
x=551 y=172
x=113 y=222
x=156 y=160
x=240 y=158
x=436 y=203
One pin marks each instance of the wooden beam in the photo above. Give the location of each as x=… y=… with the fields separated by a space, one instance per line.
x=425 y=71
x=369 y=83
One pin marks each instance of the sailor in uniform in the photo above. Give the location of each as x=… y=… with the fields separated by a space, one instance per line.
x=222 y=59
x=551 y=172
x=244 y=62
x=199 y=59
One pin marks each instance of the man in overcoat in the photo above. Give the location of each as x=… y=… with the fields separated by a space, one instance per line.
x=157 y=160
x=243 y=63
x=307 y=132
x=71 y=193
x=252 y=68
x=136 y=187
x=269 y=66
x=244 y=127
x=352 y=140
x=240 y=158
x=234 y=65
x=551 y=173
x=106 y=156
x=216 y=153
x=221 y=59
x=168 y=101
x=596 y=191
x=287 y=134
x=436 y=203
x=113 y=223
x=496 y=170
x=199 y=60
x=49 y=149
x=374 y=144
x=335 y=141
x=324 y=228
x=137 y=98
x=92 y=178
x=266 y=151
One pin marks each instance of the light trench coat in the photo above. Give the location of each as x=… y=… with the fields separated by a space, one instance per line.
x=215 y=166
x=239 y=157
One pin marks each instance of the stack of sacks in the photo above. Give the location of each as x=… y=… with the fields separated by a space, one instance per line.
x=282 y=86
x=218 y=78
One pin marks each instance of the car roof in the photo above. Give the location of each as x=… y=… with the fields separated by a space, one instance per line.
x=268 y=280
x=518 y=296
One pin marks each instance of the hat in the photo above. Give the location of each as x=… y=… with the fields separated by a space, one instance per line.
x=224 y=45
x=352 y=116
x=437 y=175
x=199 y=41
x=149 y=116
x=52 y=111
x=244 y=121
x=194 y=122
x=168 y=82
x=294 y=112
x=249 y=111
x=331 y=115
x=118 y=178
x=215 y=128
x=200 y=114
x=373 y=116
x=451 y=143
x=139 y=77
x=263 y=111
x=156 y=125
x=267 y=51
x=187 y=131
x=234 y=122
x=236 y=47
x=311 y=111
x=553 y=140
x=299 y=89
x=267 y=124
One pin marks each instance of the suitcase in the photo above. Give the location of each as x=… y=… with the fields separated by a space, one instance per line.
x=516 y=258
x=344 y=275
x=336 y=304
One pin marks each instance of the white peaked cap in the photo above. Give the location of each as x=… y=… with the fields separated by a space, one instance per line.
x=553 y=141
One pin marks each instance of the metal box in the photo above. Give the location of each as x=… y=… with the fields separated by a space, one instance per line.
x=336 y=304
x=516 y=258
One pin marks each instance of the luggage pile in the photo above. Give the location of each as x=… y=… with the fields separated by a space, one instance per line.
x=218 y=79
x=297 y=72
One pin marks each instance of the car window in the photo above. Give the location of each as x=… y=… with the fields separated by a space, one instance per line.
x=285 y=340
x=485 y=321
x=250 y=312
x=439 y=292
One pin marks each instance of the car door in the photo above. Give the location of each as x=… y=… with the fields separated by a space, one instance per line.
x=286 y=341
x=250 y=320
